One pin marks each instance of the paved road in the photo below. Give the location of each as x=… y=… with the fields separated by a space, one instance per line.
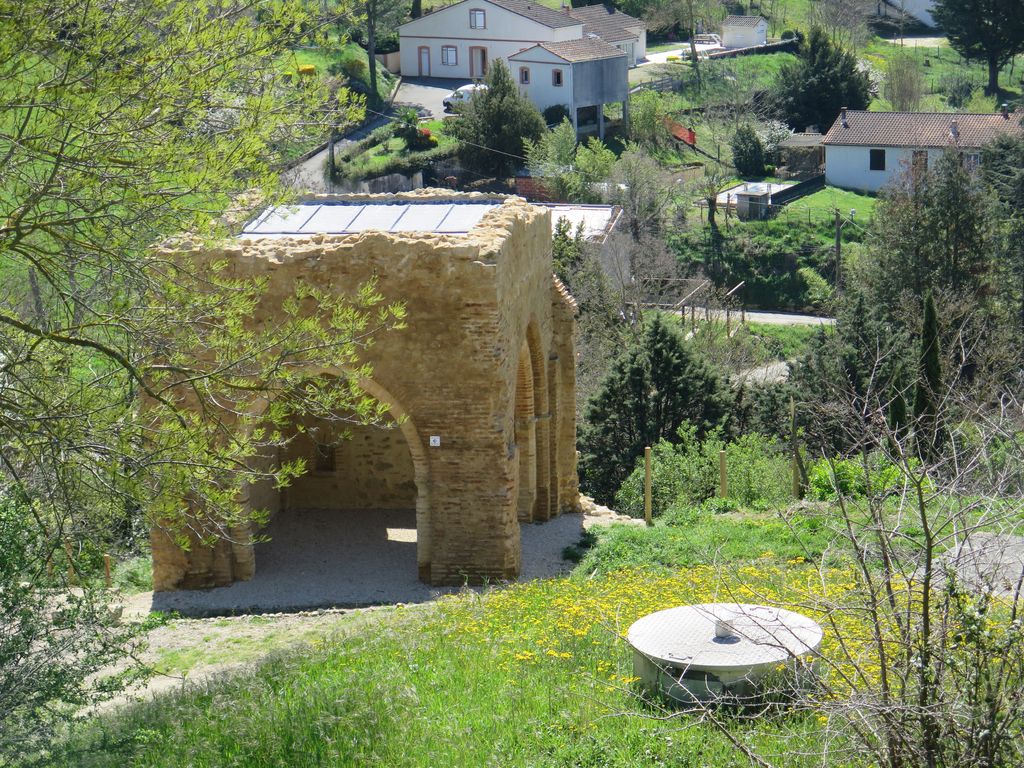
x=426 y=93
x=770 y=318
x=683 y=52
x=311 y=175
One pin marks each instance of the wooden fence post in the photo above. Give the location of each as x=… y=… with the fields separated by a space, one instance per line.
x=723 y=476
x=71 y=565
x=647 y=486
x=106 y=570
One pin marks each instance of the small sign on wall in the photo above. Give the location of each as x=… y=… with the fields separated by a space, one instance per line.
x=435 y=441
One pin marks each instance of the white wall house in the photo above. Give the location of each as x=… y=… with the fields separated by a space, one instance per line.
x=864 y=151
x=919 y=9
x=744 y=31
x=581 y=75
x=613 y=26
x=460 y=40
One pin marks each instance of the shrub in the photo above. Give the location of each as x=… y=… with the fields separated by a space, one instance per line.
x=831 y=478
x=687 y=474
x=747 y=152
x=355 y=68
x=818 y=292
x=651 y=391
x=958 y=89
x=555 y=114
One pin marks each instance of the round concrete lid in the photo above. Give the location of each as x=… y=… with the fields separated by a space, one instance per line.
x=724 y=637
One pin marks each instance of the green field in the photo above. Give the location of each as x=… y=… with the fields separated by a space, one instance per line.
x=534 y=675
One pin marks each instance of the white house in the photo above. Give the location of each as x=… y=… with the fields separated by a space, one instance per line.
x=744 y=31
x=919 y=9
x=581 y=75
x=460 y=40
x=864 y=151
x=615 y=27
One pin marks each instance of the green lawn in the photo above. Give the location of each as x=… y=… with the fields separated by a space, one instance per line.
x=827 y=200
x=940 y=65
x=534 y=675
x=349 y=57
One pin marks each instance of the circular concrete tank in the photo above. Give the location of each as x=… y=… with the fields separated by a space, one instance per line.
x=702 y=652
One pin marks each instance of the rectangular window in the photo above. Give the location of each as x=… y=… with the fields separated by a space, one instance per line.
x=477 y=19
x=324 y=459
x=524 y=75
x=971 y=161
x=877 y=160
x=556 y=77
x=449 y=55
x=919 y=160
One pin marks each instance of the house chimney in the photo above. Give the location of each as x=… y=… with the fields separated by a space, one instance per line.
x=954 y=129
x=1006 y=111
x=566 y=6
x=842 y=116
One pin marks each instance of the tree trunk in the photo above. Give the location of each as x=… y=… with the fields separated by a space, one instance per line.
x=417 y=9
x=371 y=49
x=993 y=77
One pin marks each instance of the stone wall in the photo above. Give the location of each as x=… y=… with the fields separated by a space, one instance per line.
x=368 y=467
x=484 y=323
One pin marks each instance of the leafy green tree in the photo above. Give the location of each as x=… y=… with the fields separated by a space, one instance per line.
x=122 y=124
x=747 y=151
x=494 y=126
x=824 y=79
x=991 y=31
x=931 y=230
x=651 y=390
x=570 y=170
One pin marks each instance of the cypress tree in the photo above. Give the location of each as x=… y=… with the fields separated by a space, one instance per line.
x=929 y=380
x=650 y=392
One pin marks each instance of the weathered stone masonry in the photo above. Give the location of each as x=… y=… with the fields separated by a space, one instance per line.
x=486 y=363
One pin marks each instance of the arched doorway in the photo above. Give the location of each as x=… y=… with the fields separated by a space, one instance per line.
x=360 y=511
x=525 y=436
x=533 y=431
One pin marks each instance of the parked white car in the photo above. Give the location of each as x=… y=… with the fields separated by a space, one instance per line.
x=461 y=95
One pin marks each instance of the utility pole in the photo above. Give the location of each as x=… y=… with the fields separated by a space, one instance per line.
x=839 y=251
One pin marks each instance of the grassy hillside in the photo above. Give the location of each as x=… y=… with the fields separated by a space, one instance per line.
x=535 y=675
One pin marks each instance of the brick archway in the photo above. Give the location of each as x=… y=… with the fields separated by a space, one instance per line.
x=404 y=423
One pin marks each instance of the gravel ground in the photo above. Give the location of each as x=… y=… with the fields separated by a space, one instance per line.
x=349 y=559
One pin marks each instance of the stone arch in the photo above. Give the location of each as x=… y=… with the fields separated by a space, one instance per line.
x=525 y=429
x=542 y=509
x=405 y=423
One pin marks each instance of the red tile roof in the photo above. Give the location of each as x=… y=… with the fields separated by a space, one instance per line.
x=586 y=49
x=606 y=22
x=919 y=129
x=743 y=21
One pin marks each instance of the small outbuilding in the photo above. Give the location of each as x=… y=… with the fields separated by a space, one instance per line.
x=744 y=31
x=480 y=384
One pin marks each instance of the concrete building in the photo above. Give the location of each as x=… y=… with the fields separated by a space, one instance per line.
x=581 y=75
x=744 y=31
x=480 y=384
x=460 y=40
x=864 y=151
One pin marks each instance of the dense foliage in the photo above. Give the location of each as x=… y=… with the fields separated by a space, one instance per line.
x=991 y=31
x=495 y=124
x=122 y=124
x=747 y=151
x=649 y=393
x=824 y=79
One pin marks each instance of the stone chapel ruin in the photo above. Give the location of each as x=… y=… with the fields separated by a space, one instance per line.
x=481 y=381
